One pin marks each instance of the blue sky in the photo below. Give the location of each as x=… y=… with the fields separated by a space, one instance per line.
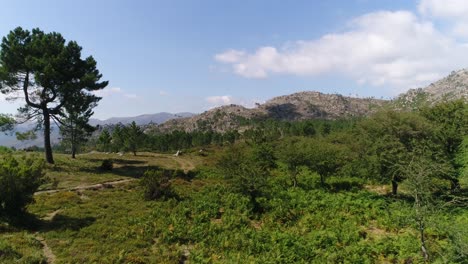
x=189 y=56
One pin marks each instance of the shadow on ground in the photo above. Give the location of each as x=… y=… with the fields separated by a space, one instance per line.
x=30 y=222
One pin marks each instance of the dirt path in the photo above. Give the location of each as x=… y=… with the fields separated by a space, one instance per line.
x=50 y=216
x=51 y=258
x=47 y=251
x=98 y=186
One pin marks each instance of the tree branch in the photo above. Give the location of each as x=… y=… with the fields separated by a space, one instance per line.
x=26 y=95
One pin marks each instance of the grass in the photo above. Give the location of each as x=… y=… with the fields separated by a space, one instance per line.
x=210 y=223
x=84 y=170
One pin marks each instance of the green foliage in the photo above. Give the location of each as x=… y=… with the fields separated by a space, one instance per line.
x=6 y=122
x=19 y=179
x=326 y=158
x=28 y=135
x=393 y=137
x=133 y=137
x=74 y=127
x=293 y=152
x=157 y=184
x=118 y=138
x=5 y=150
x=50 y=73
x=104 y=141
x=248 y=171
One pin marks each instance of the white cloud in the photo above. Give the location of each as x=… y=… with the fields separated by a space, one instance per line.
x=108 y=92
x=219 y=100
x=131 y=96
x=455 y=12
x=393 y=49
x=230 y=56
x=444 y=8
x=163 y=93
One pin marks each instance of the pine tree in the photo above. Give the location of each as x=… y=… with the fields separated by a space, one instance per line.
x=74 y=127
x=48 y=72
x=133 y=137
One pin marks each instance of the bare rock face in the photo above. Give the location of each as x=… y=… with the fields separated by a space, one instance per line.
x=452 y=87
x=314 y=105
x=297 y=106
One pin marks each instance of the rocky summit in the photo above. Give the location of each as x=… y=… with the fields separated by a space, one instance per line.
x=297 y=106
x=315 y=105
x=452 y=87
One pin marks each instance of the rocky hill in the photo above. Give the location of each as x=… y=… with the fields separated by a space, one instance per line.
x=315 y=105
x=297 y=106
x=452 y=87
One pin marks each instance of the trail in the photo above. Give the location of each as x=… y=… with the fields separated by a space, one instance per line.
x=98 y=186
x=51 y=258
x=47 y=251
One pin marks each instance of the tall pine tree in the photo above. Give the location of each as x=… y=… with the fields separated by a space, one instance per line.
x=48 y=73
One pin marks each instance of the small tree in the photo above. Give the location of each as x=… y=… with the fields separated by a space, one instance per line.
x=245 y=174
x=293 y=153
x=391 y=139
x=75 y=128
x=133 y=137
x=118 y=138
x=325 y=158
x=421 y=174
x=157 y=184
x=104 y=141
x=19 y=179
x=451 y=123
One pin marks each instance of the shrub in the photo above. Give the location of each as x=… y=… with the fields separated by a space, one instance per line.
x=19 y=179
x=157 y=184
x=5 y=150
x=107 y=165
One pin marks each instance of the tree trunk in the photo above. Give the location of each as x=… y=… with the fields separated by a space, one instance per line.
x=47 y=145
x=73 y=151
x=394 y=187
x=134 y=153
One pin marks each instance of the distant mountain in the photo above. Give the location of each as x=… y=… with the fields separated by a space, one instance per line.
x=9 y=139
x=141 y=119
x=297 y=106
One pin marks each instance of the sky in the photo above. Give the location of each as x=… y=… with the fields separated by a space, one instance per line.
x=192 y=55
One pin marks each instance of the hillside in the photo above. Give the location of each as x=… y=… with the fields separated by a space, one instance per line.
x=452 y=87
x=297 y=106
x=315 y=105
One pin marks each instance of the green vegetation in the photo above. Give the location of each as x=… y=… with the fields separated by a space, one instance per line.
x=19 y=180
x=391 y=188
x=51 y=75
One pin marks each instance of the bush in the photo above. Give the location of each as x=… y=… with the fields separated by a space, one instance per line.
x=5 y=150
x=107 y=165
x=19 y=179
x=157 y=184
